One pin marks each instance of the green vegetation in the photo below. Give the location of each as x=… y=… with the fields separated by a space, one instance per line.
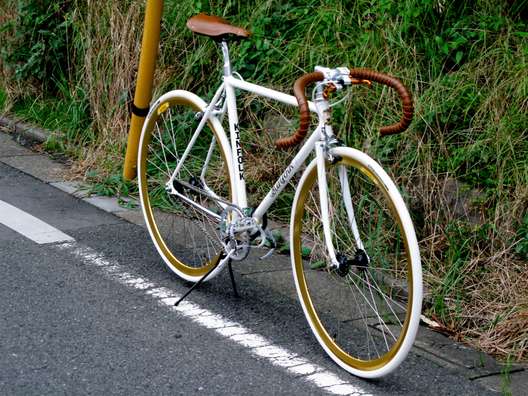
x=3 y=99
x=38 y=51
x=506 y=378
x=463 y=164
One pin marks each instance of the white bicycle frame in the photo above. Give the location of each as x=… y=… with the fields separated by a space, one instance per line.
x=316 y=141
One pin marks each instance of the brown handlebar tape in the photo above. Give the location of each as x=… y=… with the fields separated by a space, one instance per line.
x=405 y=97
x=304 y=122
x=360 y=74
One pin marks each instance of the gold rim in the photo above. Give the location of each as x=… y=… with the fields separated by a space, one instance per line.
x=337 y=351
x=174 y=261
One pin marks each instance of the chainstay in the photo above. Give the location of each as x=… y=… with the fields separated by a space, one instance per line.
x=197 y=219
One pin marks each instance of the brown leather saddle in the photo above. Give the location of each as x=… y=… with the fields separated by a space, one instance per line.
x=215 y=27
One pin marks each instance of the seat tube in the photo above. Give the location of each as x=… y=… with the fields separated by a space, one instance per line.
x=239 y=195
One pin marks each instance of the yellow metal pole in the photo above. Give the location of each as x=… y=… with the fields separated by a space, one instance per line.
x=145 y=78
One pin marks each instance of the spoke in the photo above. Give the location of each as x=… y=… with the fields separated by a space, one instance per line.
x=155 y=153
x=365 y=317
x=368 y=331
x=385 y=269
x=160 y=140
x=379 y=317
x=163 y=149
x=382 y=293
x=157 y=167
x=172 y=135
x=175 y=154
x=371 y=307
x=385 y=298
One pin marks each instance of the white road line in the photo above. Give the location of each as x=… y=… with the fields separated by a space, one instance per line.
x=41 y=232
x=29 y=226
x=256 y=344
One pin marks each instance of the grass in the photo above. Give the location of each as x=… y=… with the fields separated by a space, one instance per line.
x=462 y=166
x=3 y=100
x=506 y=378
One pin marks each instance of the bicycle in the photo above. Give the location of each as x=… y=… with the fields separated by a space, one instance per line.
x=360 y=284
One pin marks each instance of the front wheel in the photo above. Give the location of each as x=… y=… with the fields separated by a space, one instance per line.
x=364 y=311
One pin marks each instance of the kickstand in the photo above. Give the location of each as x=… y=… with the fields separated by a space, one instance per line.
x=232 y=276
x=199 y=282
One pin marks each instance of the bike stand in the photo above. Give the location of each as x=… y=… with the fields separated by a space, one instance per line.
x=200 y=281
x=232 y=276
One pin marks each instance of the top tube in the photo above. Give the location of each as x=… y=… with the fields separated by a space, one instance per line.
x=266 y=92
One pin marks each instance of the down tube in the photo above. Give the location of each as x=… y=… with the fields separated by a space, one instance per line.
x=288 y=173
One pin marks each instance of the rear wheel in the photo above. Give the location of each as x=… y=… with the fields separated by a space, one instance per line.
x=184 y=217
x=364 y=312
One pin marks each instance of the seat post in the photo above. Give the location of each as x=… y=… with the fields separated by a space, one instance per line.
x=227 y=61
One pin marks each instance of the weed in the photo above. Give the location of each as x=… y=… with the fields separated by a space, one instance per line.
x=506 y=377
x=279 y=238
x=318 y=264
x=39 y=50
x=305 y=251
x=521 y=243
x=113 y=185
x=3 y=100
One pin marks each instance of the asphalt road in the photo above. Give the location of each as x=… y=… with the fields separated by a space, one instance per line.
x=94 y=316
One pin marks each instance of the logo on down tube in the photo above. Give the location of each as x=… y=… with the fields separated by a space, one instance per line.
x=283 y=179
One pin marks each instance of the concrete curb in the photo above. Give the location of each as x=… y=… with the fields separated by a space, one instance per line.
x=52 y=172
x=13 y=125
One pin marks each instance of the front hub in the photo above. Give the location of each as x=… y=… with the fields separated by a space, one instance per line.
x=360 y=261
